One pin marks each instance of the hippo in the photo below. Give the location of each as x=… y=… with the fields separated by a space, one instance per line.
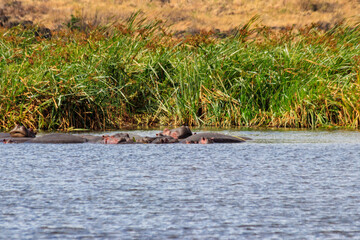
x=15 y=140
x=92 y=138
x=156 y=140
x=117 y=139
x=19 y=134
x=22 y=131
x=202 y=140
x=183 y=134
x=107 y=139
x=125 y=138
x=164 y=139
x=58 y=138
x=177 y=133
x=205 y=138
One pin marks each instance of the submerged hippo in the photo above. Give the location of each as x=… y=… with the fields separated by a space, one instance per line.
x=205 y=138
x=164 y=139
x=58 y=138
x=15 y=140
x=91 y=138
x=22 y=131
x=125 y=138
x=177 y=133
x=120 y=138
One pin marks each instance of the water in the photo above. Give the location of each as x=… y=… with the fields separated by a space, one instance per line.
x=281 y=185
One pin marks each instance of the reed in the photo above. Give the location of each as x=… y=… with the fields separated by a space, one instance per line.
x=135 y=72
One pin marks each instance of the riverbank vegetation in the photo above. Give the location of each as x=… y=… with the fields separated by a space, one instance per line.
x=136 y=72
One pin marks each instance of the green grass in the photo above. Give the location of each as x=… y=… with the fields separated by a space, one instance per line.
x=136 y=73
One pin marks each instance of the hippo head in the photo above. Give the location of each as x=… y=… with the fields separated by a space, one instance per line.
x=177 y=133
x=18 y=131
x=205 y=140
x=22 y=131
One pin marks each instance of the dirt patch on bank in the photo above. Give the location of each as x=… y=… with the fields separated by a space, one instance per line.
x=181 y=15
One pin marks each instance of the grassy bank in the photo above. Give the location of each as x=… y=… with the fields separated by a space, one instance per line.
x=136 y=73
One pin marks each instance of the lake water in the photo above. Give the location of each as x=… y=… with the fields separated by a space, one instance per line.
x=280 y=185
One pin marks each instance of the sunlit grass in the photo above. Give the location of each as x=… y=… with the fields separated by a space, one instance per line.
x=136 y=73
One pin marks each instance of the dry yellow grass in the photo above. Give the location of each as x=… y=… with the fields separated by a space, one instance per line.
x=189 y=14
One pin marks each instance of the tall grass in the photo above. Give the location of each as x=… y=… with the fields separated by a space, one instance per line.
x=137 y=73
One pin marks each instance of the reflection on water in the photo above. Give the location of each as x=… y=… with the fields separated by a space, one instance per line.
x=280 y=185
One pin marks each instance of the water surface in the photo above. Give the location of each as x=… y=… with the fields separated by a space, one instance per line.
x=281 y=185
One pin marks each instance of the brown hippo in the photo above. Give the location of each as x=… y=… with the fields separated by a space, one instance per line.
x=22 y=131
x=116 y=139
x=125 y=138
x=112 y=139
x=6 y=138
x=177 y=133
x=205 y=138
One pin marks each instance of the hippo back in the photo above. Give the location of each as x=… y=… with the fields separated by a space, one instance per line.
x=215 y=137
x=58 y=138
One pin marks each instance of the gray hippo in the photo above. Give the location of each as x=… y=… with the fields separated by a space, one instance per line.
x=204 y=138
x=91 y=138
x=164 y=139
x=58 y=138
x=177 y=133
x=15 y=140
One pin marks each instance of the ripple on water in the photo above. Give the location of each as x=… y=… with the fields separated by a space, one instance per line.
x=292 y=184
